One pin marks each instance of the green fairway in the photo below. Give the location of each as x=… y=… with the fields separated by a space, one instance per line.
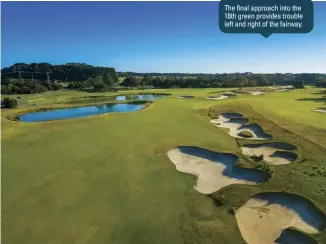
x=107 y=178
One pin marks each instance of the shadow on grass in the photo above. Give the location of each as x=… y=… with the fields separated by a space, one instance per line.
x=319 y=93
x=313 y=99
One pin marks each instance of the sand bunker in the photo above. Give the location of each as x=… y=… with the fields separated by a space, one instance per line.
x=321 y=110
x=217 y=98
x=238 y=127
x=214 y=170
x=273 y=153
x=225 y=117
x=282 y=90
x=257 y=93
x=186 y=97
x=264 y=218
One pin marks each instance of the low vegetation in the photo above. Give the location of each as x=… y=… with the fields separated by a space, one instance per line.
x=8 y=102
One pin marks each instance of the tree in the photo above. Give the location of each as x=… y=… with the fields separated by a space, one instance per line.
x=107 y=79
x=321 y=84
x=12 y=89
x=100 y=87
x=68 y=72
x=56 y=86
x=8 y=102
x=39 y=88
x=5 y=81
x=95 y=81
x=240 y=82
x=147 y=80
x=24 y=90
x=321 y=81
x=298 y=84
x=130 y=81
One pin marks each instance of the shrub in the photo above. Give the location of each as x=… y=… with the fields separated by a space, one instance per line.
x=257 y=158
x=8 y=102
x=100 y=87
x=298 y=85
x=231 y=211
x=264 y=167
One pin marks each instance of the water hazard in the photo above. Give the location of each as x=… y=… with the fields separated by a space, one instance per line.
x=79 y=112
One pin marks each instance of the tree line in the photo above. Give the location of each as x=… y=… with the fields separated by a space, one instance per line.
x=63 y=73
x=21 y=86
x=224 y=80
x=22 y=78
x=279 y=78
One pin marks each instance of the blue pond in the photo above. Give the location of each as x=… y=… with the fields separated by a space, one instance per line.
x=139 y=97
x=79 y=112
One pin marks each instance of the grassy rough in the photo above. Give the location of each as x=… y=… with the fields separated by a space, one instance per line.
x=107 y=179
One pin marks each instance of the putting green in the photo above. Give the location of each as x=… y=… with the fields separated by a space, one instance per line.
x=108 y=179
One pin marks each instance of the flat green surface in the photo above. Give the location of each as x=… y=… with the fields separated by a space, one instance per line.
x=107 y=179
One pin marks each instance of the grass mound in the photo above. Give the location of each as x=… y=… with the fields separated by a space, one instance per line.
x=257 y=131
x=245 y=134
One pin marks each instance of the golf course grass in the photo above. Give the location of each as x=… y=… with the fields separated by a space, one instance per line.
x=108 y=178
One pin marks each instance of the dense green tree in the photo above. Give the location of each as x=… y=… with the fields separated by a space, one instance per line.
x=107 y=79
x=130 y=81
x=67 y=72
x=39 y=88
x=56 y=86
x=298 y=84
x=100 y=87
x=321 y=81
x=24 y=90
x=8 y=102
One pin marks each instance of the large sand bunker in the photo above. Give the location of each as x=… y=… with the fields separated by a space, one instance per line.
x=282 y=90
x=214 y=170
x=264 y=218
x=217 y=98
x=274 y=153
x=238 y=127
x=257 y=93
x=186 y=96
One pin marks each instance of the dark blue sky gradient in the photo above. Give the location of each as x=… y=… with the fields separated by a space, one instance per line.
x=152 y=37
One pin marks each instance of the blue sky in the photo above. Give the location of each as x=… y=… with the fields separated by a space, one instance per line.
x=152 y=37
